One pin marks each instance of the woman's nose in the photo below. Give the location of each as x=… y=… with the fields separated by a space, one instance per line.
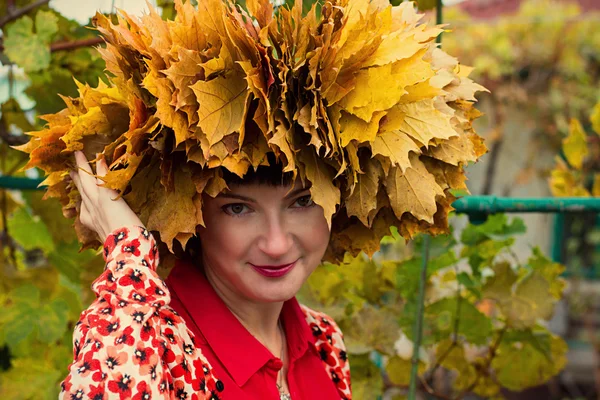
x=276 y=241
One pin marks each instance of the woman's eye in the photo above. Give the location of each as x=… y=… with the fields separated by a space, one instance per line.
x=234 y=209
x=305 y=201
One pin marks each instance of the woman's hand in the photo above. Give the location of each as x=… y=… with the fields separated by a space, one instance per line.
x=98 y=210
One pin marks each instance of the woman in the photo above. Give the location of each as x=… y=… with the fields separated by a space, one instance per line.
x=228 y=328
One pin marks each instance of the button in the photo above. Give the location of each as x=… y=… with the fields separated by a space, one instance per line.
x=275 y=363
x=220 y=386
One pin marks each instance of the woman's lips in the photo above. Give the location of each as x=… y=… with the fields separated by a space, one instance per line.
x=273 y=271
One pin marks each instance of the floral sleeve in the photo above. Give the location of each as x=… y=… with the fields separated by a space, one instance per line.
x=129 y=344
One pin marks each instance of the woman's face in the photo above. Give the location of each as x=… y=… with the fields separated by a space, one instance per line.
x=254 y=226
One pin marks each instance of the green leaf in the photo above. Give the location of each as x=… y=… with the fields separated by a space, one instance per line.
x=46 y=25
x=326 y=283
x=484 y=253
x=474 y=326
x=53 y=320
x=50 y=212
x=523 y=302
x=454 y=359
x=530 y=302
x=66 y=259
x=495 y=227
x=28 y=49
x=499 y=286
x=30 y=378
x=540 y=339
x=45 y=86
x=438 y=245
x=470 y=283
x=20 y=317
x=367 y=382
x=408 y=272
x=29 y=231
x=13 y=115
x=20 y=323
x=370 y=329
x=551 y=271
x=398 y=370
x=25 y=294
x=520 y=365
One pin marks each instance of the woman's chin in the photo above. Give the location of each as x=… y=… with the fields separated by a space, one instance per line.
x=270 y=290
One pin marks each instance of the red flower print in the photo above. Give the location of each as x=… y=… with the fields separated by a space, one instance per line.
x=149 y=367
x=112 y=240
x=337 y=376
x=182 y=369
x=326 y=354
x=87 y=365
x=147 y=332
x=132 y=247
x=105 y=327
x=114 y=358
x=141 y=355
x=142 y=392
x=66 y=384
x=97 y=393
x=133 y=277
x=125 y=338
x=121 y=384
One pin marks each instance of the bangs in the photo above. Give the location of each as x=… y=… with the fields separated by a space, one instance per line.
x=270 y=175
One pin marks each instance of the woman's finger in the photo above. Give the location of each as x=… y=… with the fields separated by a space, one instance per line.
x=84 y=215
x=101 y=167
x=80 y=188
x=86 y=175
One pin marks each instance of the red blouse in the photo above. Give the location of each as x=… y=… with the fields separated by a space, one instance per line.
x=143 y=338
x=246 y=368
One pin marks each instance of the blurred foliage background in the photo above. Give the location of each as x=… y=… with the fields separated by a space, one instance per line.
x=486 y=318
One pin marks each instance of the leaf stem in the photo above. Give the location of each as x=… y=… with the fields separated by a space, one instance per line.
x=418 y=330
x=459 y=299
x=76 y=44
x=491 y=354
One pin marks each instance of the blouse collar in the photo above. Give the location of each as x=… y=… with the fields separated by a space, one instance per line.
x=241 y=354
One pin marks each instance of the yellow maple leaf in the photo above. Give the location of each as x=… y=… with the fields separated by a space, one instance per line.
x=367 y=97
x=161 y=88
x=565 y=182
x=421 y=121
x=456 y=150
x=323 y=190
x=363 y=199
x=413 y=192
x=575 y=145
x=354 y=128
x=221 y=105
x=183 y=73
x=395 y=146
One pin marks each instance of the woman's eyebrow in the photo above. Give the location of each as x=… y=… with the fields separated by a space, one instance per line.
x=251 y=200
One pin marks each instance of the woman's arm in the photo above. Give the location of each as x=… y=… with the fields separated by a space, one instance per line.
x=117 y=343
x=129 y=344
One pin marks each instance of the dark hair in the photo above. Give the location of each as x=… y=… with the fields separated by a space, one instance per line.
x=271 y=175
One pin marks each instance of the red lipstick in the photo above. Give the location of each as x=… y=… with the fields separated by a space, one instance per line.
x=273 y=271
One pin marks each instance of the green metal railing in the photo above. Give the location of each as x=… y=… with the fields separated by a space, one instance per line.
x=477 y=207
